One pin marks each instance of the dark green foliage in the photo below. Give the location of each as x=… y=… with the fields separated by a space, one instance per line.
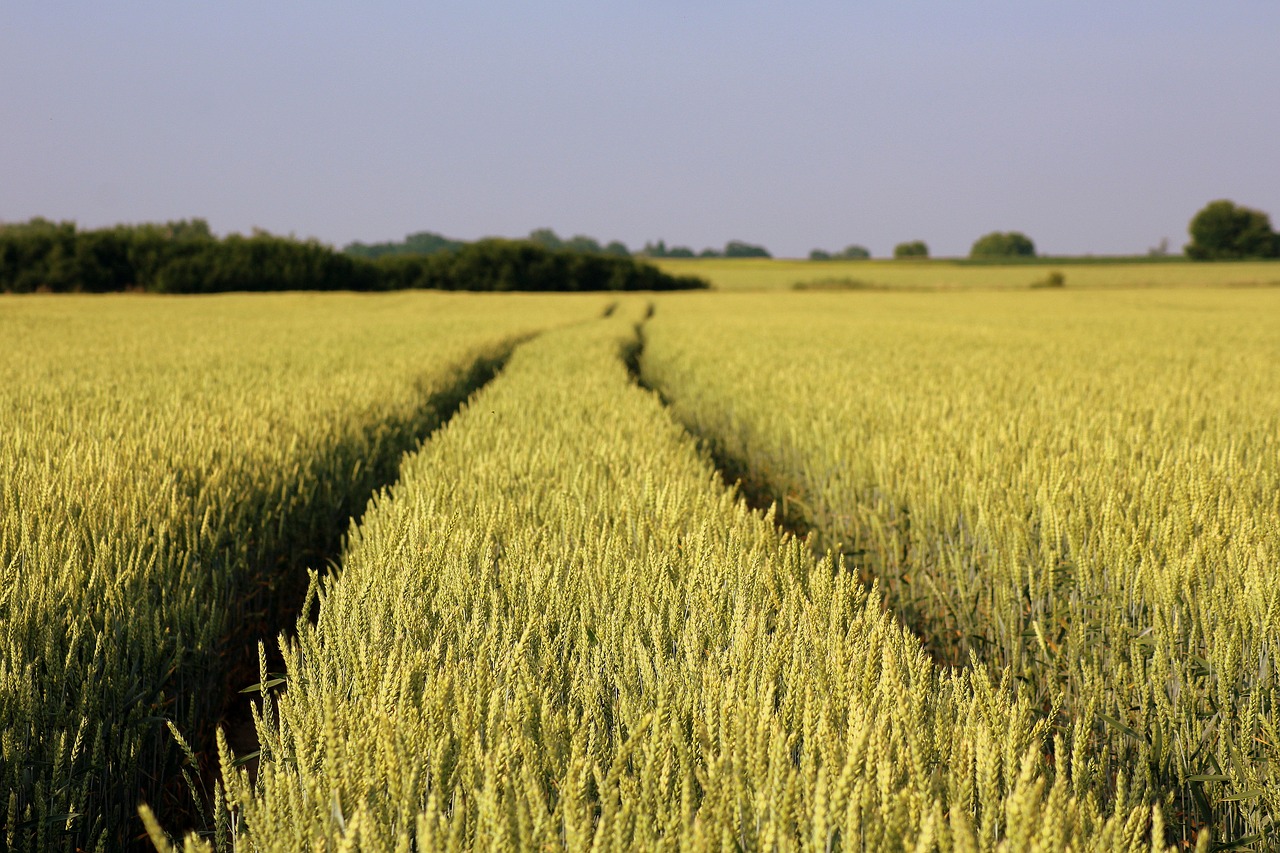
x=912 y=249
x=26 y=252
x=497 y=264
x=184 y=257
x=734 y=249
x=422 y=243
x=406 y=272
x=1223 y=230
x=583 y=243
x=1003 y=244
x=848 y=253
x=739 y=249
x=430 y=243
x=261 y=263
x=546 y=238
x=45 y=256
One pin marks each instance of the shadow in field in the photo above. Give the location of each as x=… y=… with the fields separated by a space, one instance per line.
x=788 y=514
x=945 y=633
x=789 y=508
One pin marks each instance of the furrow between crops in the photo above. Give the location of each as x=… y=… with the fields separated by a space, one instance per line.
x=784 y=503
x=279 y=613
x=757 y=492
x=1079 y=497
x=163 y=487
x=559 y=631
x=275 y=596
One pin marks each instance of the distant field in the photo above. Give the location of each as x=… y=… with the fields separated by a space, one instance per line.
x=775 y=274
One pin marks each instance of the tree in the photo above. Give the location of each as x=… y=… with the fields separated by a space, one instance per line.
x=1223 y=230
x=912 y=249
x=819 y=255
x=546 y=238
x=739 y=249
x=421 y=243
x=855 y=253
x=187 y=229
x=582 y=243
x=500 y=265
x=1003 y=244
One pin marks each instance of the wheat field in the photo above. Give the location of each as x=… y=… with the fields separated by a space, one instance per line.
x=1079 y=489
x=167 y=469
x=431 y=571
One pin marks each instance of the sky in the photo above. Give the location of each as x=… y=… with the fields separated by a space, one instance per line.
x=1092 y=127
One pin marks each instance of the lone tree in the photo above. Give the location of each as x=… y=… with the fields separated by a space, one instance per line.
x=912 y=249
x=1223 y=230
x=1003 y=244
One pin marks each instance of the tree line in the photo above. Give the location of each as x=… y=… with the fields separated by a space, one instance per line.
x=499 y=264
x=186 y=257
x=429 y=243
x=732 y=249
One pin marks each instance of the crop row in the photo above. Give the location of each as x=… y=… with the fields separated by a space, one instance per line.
x=559 y=630
x=1079 y=489
x=168 y=470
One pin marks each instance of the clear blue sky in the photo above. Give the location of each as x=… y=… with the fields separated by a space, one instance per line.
x=1091 y=126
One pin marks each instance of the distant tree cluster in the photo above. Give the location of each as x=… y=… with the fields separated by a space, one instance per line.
x=739 y=249
x=732 y=249
x=185 y=257
x=1223 y=230
x=430 y=243
x=1003 y=244
x=661 y=250
x=497 y=264
x=548 y=239
x=421 y=243
x=911 y=249
x=848 y=253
